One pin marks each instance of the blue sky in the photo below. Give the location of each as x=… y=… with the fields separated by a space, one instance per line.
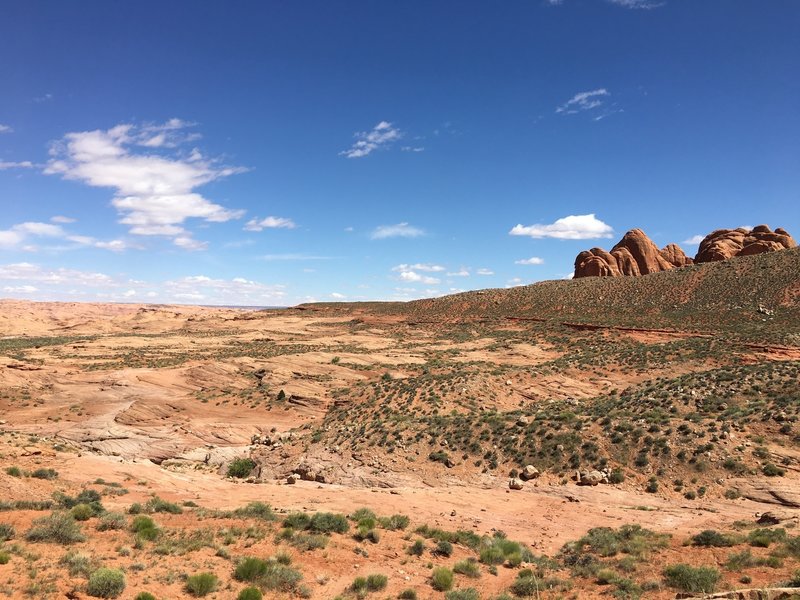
x=269 y=153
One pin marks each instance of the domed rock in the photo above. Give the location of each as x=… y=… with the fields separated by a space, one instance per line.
x=723 y=244
x=634 y=255
x=674 y=255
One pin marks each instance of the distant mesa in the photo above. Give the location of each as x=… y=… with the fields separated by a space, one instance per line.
x=636 y=254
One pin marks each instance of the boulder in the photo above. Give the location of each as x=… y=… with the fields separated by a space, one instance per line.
x=723 y=244
x=529 y=472
x=515 y=484
x=591 y=478
x=293 y=478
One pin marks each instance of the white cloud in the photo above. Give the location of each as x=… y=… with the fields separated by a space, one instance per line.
x=14 y=237
x=62 y=219
x=583 y=101
x=645 y=4
x=201 y=288
x=381 y=136
x=20 y=289
x=414 y=277
x=405 y=230
x=533 y=260
x=694 y=240
x=484 y=272
x=427 y=267
x=5 y=129
x=269 y=223
x=413 y=149
x=514 y=282
x=573 y=227
x=154 y=194
x=25 y=164
x=338 y=296
x=292 y=256
x=462 y=272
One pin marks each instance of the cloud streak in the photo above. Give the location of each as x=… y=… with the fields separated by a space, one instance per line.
x=401 y=230
x=380 y=136
x=269 y=223
x=583 y=101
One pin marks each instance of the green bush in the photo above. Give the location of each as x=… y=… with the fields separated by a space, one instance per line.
x=58 y=527
x=144 y=527
x=241 y=467
x=712 y=538
x=364 y=533
x=45 y=474
x=78 y=563
x=5 y=557
x=250 y=593
x=376 y=582
x=443 y=548
x=762 y=538
x=144 y=596
x=463 y=594
x=7 y=532
x=159 y=505
x=468 y=568
x=441 y=579
x=771 y=470
x=82 y=512
x=106 y=583
x=250 y=569
x=394 y=522
x=328 y=523
x=362 y=514
x=417 y=548
x=407 y=594
x=14 y=471
x=256 y=510
x=683 y=577
x=201 y=584
x=112 y=521
x=299 y=521
x=280 y=577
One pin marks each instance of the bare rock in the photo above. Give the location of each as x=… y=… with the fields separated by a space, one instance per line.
x=515 y=484
x=529 y=472
x=727 y=243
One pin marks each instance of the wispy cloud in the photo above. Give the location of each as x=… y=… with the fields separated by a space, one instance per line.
x=484 y=272
x=22 y=236
x=413 y=149
x=380 y=136
x=403 y=230
x=293 y=256
x=409 y=276
x=62 y=219
x=154 y=194
x=642 y=4
x=573 y=227
x=694 y=240
x=426 y=267
x=533 y=260
x=5 y=128
x=25 y=164
x=583 y=101
x=269 y=223
x=462 y=272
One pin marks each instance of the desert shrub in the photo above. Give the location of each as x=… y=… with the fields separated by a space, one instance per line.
x=280 y=577
x=144 y=527
x=81 y=512
x=792 y=546
x=256 y=510
x=794 y=582
x=692 y=579
x=607 y=542
x=467 y=567
x=308 y=541
x=250 y=569
x=159 y=505
x=58 y=527
x=617 y=476
x=250 y=593
x=376 y=582
x=498 y=549
x=328 y=523
x=394 y=522
x=283 y=558
x=527 y=585
x=442 y=579
x=362 y=514
x=417 y=548
x=771 y=470
x=45 y=474
x=364 y=533
x=443 y=548
x=78 y=563
x=407 y=594
x=14 y=471
x=112 y=521
x=201 y=584
x=241 y=467
x=359 y=586
x=144 y=596
x=6 y=532
x=106 y=583
x=712 y=538
x=463 y=594
x=5 y=557
x=299 y=521
x=762 y=538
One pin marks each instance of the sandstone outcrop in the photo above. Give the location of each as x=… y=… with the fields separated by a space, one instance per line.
x=723 y=244
x=636 y=254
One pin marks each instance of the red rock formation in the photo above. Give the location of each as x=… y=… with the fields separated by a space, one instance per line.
x=636 y=254
x=727 y=243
